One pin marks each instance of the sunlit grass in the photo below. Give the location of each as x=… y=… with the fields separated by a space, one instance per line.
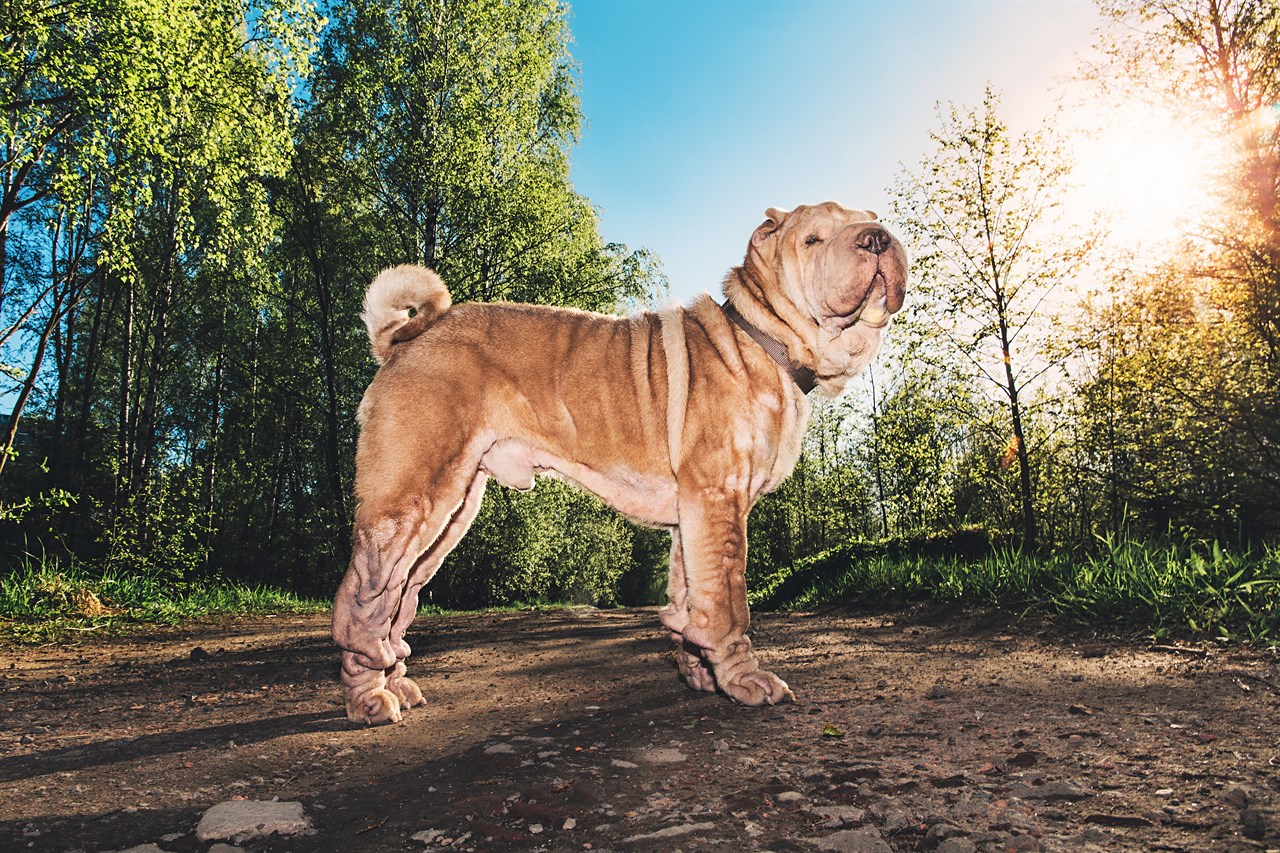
x=43 y=600
x=1177 y=588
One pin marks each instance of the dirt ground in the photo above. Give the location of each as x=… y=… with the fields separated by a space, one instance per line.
x=568 y=730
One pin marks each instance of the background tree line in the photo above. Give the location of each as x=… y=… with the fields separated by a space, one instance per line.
x=194 y=195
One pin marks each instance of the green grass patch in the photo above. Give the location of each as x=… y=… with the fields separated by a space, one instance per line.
x=1175 y=588
x=42 y=601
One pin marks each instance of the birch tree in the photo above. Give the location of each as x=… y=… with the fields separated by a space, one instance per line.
x=977 y=212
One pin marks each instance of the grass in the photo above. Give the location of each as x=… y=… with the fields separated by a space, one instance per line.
x=1169 y=589
x=43 y=601
x=1175 y=588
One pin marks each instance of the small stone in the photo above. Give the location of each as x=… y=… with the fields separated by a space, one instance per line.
x=867 y=839
x=1164 y=792
x=663 y=755
x=955 y=845
x=1254 y=824
x=535 y=828
x=241 y=819
x=569 y=823
x=721 y=746
x=26 y=739
x=1237 y=798
x=499 y=749
x=625 y=765
x=789 y=797
x=838 y=816
x=220 y=847
x=669 y=832
x=39 y=730
x=199 y=654
x=1056 y=790
x=941 y=832
x=938 y=691
x=426 y=836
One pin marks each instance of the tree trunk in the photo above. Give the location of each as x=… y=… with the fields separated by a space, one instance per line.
x=11 y=429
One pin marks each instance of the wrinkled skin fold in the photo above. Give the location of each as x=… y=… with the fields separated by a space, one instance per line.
x=678 y=419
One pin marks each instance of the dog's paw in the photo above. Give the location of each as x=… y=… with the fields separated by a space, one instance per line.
x=376 y=706
x=695 y=672
x=758 y=687
x=405 y=690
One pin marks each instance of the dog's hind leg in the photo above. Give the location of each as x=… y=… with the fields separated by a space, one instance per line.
x=713 y=536
x=394 y=553
x=694 y=671
x=428 y=564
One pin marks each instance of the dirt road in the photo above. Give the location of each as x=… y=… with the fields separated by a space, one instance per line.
x=567 y=730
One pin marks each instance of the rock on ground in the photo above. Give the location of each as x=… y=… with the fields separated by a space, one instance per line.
x=241 y=819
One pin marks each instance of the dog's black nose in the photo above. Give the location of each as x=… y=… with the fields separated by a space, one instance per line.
x=874 y=240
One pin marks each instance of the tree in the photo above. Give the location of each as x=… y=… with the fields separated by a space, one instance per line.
x=1218 y=60
x=978 y=212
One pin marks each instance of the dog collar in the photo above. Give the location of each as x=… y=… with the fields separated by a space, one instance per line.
x=805 y=378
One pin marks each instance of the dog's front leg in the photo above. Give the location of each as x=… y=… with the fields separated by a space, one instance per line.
x=367 y=604
x=694 y=671
x=713 y=540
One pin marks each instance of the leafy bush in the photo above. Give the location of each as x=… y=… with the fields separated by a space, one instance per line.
x=1179 y=586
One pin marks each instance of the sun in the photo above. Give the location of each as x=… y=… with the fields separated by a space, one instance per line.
x=1147 y=174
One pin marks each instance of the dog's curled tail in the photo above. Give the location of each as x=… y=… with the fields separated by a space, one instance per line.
x=402 y=301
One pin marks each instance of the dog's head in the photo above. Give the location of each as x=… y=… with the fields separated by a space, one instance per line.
x=834 y=276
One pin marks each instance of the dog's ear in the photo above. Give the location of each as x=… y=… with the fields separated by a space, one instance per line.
x=774 y=218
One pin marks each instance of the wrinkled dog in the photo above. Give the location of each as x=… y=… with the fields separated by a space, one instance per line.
x=679 y=419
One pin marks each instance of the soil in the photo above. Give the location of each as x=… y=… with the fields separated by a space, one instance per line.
x=919 y=729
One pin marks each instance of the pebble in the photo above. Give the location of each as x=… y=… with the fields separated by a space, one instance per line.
x=426 y=836
x=838 y=816
x=663 y=755
x=955 y=845
x=220 y=847
x=864 y=840
x=669 y=832
x=938 y=691
x=1049 y=791
x=499 y=749
x=535 y=828
x=241 y=819
x=789 y=797
x=569 y=823
x=1236 y=797
x=625 y=765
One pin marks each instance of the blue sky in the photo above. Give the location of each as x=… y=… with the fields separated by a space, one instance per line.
x=702 y=114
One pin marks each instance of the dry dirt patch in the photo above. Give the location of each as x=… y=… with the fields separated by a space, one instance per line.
x=567 y=730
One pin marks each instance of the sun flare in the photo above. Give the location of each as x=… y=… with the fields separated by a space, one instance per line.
x=1149 y=175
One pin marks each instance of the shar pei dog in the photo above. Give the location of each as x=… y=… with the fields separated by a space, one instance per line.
x=680 y=419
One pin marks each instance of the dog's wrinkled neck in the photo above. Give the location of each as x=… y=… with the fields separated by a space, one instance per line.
x=804 y=378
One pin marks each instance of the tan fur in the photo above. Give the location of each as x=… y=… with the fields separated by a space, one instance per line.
x=677 y=419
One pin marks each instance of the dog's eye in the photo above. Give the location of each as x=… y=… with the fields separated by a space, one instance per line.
x=811 y=239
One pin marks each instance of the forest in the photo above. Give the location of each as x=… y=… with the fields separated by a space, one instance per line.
x=195 y=196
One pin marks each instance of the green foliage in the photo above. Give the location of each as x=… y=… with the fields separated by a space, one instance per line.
x=1179 y=587
x=42 y=600
x=553 y=544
